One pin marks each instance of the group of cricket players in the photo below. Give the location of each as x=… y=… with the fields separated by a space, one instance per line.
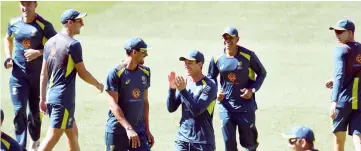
x=46 y=64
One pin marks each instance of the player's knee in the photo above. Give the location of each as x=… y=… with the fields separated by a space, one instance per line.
x=55 y=133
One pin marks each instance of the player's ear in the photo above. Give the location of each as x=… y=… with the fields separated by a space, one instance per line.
x=36 y=4
x=303 y=142
x=237 y=38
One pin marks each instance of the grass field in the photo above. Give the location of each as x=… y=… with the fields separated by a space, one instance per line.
x=291 y=39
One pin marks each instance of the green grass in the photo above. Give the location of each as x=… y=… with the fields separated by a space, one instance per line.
x=291 y=39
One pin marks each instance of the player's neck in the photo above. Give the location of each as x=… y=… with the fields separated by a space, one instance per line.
x=29 y=18
x=232 y=51
x=130 y=64
x=68 y=32
x=197 y=77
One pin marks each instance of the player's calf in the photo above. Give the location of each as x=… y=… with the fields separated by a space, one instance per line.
x=72 y=135
x=357 y=141
x=339 y=142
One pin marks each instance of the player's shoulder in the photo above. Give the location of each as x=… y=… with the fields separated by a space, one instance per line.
x=342 y=48
x=42 y=20
x=14 y=20
x=246 y=52
x=145 y=69
x=117 y=70
x=210 y=82
x=217 y=57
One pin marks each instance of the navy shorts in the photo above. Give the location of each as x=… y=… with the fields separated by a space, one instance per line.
x=347 y=118
x=61 y=117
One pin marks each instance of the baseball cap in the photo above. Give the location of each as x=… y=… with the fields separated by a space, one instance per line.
x=232 y=31
x=71 y=14
x=193 y=55
x=135 y=43
x=301 y=132
x=344 y=24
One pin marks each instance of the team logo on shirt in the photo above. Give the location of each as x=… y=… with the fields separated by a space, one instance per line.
x=144 y=80
x=136 y=93
x=232 y=77
x=26 y=43
x=239 y=65
x=358 y=58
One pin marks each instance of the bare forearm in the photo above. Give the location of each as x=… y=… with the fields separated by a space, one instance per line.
x=43 y=83
x=8 y=47
x=87 y=77
x=146 y=115
x=119 y=115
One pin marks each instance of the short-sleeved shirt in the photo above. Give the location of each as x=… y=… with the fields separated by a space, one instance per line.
x=62 y=53
x=32 y=35
x=130 y=85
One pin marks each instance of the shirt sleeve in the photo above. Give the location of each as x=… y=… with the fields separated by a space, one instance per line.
x=173 y=100
x=340 y=58
x=260 y=71
x=148 y=80
x=112 y=81
x=75 y=51
x=49 y=31
x=206 y=97
x=9 y=32
x=213 y=70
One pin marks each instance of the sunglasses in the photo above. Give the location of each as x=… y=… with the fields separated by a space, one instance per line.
x=228 y=37
x=143 y=50
x=339 y=31
x=292 y=140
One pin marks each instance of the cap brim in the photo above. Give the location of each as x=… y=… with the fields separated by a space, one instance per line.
x=229 y=34
x=81 y=15
x=185 y=58
x=336 y=28
x=288 y=135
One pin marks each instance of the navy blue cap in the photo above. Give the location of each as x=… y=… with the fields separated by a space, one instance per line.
x=193 y=55
x=71 y=14
x=232 y=31
x=135 y=43
x=344 y=24
x=301 y=132
x=2 y=115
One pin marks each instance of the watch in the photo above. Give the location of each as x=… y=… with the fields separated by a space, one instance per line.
x=129 y=128
x=253 y=90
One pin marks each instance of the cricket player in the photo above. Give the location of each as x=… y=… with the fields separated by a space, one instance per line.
x=63 y=60
x=238 y=67
x=8 y=143
x=28 y=33
x=301 y=139
x=127 y=84
x=197 y=95
x=345 y=109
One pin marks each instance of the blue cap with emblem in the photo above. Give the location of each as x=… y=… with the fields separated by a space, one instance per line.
x=301 y=132
x=232 y=31
x=71 y=14
x=193 y=55
x=344 y=24
x=135 y=44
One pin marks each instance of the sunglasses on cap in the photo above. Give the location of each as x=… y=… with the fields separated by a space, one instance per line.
x=292 y=140
x=339 y=31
